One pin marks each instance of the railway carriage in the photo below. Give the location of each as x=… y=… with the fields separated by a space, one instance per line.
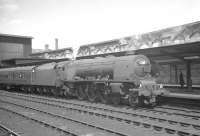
x=43 y=78
x=44 y=75
x=5 y=77
x=17 y=77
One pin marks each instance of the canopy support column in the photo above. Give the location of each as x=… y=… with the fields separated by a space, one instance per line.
x=188 y=76
x=176 y=74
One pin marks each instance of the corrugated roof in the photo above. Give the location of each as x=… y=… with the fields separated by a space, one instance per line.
x=177 y=35
x=18 y=36
x=52 y=51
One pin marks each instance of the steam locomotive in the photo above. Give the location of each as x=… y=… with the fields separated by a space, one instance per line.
x=108 y=80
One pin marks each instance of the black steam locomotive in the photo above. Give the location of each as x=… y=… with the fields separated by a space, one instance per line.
x=108 y=80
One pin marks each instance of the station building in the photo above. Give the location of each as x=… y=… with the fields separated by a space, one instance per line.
x=176 y=49
x=14 y=46
x=16 y=50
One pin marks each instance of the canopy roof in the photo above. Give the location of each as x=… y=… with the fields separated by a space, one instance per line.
x=178 y=43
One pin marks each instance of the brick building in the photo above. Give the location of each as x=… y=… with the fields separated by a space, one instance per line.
x=14 y=46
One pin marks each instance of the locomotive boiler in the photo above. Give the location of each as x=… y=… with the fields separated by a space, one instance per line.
x=111 y=79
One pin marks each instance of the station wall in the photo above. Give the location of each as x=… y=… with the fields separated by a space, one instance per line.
x=10 y=50
x=14 y=46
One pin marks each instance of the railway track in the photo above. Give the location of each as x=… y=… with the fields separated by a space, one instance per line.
x=109 y=126
x=145 y=119
x=19 y=124
x=182 y=102
x=181 y=111
x=4 y=131
x=170 y=110
x=59 y=123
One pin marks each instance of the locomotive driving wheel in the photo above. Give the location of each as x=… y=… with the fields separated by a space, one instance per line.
x=91 y=93
x=115 y=98
x=133 y=99
x=103 y=94
x=81 y=92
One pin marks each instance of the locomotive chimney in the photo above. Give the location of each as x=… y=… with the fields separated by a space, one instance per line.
x=56 y=43
x=46 y=47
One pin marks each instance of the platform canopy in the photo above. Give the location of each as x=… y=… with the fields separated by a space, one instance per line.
x=173 y=54
x=178 y=43
x=54 y=54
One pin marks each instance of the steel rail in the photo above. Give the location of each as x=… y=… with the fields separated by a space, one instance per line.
x=39 y=122
x=118 y=118
x=155 y=110
x=145 y=109
x=144 y=124
x=10 y=132
x=62 y=117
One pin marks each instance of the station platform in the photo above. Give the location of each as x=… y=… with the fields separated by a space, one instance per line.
x=179 y=86
x=183 y=96
x=176 y=88
x=185 y=93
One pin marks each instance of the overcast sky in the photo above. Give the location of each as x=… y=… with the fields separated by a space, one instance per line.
x=79 y=22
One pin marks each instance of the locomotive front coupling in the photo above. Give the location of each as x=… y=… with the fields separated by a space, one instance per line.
x=150 y=90
x=146 y=94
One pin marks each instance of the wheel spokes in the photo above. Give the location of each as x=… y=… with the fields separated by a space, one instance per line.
x=91 y=93
x=103 y=96
x=133 y=99
x=81 y=93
